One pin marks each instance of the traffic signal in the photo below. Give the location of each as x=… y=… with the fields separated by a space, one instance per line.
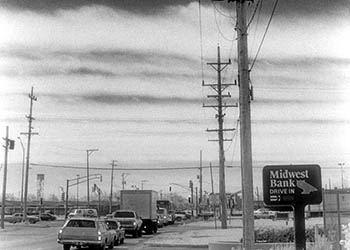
x=189 y=199
x=11 y=144
x=169 y=188
x=191 y=184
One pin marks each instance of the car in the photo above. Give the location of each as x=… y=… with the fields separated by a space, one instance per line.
x=86 y=231
x=47 y=216
x=18 y=217
x=115 y=225
x=264 y=213
x=181 y=215
x=163 y=216
x=129 y=220
x=83 y=212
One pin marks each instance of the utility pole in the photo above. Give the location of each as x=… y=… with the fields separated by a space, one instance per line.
x=219 y=89
x=245 y=125
x=30 y=133
x=191 y=188
x=114 y=163
x=200 y=179
x=88 y=153
x=78 y=190
x=9 y=144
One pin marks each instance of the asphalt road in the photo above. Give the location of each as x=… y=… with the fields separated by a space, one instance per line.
x=42 y=236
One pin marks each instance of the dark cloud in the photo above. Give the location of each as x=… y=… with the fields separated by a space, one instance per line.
x=116 y=99
x=85 y=71
x=137 y=99
x=301 y=121
x=139 y=6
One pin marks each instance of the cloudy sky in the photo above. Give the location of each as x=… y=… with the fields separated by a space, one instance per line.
x=125 y=77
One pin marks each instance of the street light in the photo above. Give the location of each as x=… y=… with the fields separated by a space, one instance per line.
x=88 y=152
x=23 y=160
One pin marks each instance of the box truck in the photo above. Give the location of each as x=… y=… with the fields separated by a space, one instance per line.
x=144 y=203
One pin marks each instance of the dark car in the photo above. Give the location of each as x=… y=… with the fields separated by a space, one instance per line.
x=115 y=225
x=47 y=216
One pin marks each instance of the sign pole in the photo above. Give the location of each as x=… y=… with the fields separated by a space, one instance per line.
x=299 y=227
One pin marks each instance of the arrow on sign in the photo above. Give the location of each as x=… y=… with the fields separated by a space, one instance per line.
x=306 y=187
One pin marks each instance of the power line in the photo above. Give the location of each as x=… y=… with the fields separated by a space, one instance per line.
x=263 y=38
x=254 y=12
x=131 y=169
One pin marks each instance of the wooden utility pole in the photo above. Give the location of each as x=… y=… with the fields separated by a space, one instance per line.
x=200 y=179
x=245 y=125
x=219 y=88
x=3 y=203
x=114 y=163
x=30 y=133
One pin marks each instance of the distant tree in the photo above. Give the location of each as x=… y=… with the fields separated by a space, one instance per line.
x=53 y=197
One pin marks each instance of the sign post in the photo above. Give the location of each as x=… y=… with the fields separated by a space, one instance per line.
x=296 y=186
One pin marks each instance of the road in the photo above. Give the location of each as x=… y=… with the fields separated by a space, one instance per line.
x=42 y=236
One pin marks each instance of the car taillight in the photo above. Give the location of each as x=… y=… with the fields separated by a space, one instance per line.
x=134 y=223
x=99 y=235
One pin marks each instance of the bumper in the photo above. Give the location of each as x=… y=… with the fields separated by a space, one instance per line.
x=80 y=242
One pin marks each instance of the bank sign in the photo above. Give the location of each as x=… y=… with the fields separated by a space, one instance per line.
x=292 y=185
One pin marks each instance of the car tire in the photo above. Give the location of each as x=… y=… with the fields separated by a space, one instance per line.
x=111 y=245
x=139 y=232
x=102 y=247
x=121 y=241
x=66 y=246
x=117 y=242
x=135 y=233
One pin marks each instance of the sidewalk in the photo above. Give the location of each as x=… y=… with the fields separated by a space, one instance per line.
x=198 y=234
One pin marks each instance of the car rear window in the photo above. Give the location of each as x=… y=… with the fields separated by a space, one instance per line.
x=124 y=214
x=81 y=223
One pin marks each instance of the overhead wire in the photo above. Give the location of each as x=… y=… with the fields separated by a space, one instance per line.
x=263 y=38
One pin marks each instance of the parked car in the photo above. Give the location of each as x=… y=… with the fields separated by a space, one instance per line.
x=86 y=231
x=83 y=212
x=180 y=215
x=18 y=217
x=115 y=225
x=264 y=213
x=129 y=220
x=47 y=216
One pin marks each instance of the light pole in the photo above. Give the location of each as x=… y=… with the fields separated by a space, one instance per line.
x=88 y=153
x=78 y=190
x=23 y=160
x=341 y=173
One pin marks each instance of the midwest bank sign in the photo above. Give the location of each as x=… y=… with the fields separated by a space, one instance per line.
x=292 y=184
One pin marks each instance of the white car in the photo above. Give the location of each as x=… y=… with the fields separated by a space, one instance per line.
x=264 y=213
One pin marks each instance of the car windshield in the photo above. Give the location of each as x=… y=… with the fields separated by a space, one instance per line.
x=160 y=211
x=81 y=223
x=124 y=214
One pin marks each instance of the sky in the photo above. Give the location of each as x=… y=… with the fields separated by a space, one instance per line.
x=125 y=77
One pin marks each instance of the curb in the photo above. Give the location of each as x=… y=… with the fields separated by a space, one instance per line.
x=175 y=245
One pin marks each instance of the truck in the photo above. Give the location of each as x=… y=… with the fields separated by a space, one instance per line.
x=170 y=211
x=144 y=203
x=129 y=220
